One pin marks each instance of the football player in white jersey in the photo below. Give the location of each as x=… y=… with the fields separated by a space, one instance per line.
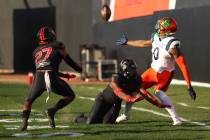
x=165 y=53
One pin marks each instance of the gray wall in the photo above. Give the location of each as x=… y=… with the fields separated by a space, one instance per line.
x=78 y=22
x=6 y=24
x=193 y=31
x=73 y=25
x=106 y=34
x=191 y=3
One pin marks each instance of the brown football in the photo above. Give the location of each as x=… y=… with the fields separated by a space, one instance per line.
x=106 y=12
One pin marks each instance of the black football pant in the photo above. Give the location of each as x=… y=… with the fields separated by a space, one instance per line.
x=106 y=107
x=58 y=86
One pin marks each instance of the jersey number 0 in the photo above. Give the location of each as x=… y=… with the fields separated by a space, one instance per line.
x=155 y=53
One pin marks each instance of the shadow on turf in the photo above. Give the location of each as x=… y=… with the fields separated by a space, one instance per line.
x=153 y=123
x=97 y=132
x=160 y=123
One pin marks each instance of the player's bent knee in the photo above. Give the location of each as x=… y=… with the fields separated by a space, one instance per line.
x=69 y=99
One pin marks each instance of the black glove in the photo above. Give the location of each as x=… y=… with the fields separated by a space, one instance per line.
x=192 y=93
x=122 y=41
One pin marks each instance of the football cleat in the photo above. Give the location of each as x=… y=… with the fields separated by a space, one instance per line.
x=177 y=122
x=24 y=125
x=121 y=118
x=50 y=114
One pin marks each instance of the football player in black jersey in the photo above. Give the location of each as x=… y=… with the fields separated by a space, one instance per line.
x=125 y=85
x=47 y=57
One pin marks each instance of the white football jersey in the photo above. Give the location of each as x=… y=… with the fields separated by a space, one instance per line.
x=161 y=59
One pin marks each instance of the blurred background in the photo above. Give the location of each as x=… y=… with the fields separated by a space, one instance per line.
x=89 y=39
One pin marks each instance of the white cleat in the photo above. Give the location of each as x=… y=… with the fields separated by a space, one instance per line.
x=177 y=122
x=121 y=118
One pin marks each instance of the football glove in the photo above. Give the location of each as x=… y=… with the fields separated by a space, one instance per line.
x=69 y=76
x=122 y=41
x=192 y=93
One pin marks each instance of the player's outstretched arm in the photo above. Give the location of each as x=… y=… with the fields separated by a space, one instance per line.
x=181 y=62
x=66 y=75
x=123 y=41
x=68 y=59
x=140 y=43
x=150 y=98
x=73 y=64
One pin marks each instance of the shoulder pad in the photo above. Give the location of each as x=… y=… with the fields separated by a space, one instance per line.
x=152 y=36
x=173 y=43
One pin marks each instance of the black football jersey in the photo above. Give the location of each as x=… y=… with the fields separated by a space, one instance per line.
x=128 y=85
x=47 y=56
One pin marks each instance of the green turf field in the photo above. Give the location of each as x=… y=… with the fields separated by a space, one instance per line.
x=146 y=122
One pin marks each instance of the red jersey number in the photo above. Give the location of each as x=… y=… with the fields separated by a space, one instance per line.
x=42 y=55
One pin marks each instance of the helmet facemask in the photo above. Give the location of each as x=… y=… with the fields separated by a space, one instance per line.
x=128 y=68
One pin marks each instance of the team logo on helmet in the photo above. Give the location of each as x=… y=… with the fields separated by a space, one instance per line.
x=166 y=26
x=46 y=35
x=128 y=68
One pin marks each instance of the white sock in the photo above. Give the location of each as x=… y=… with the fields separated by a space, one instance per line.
x=165 y=100
x=128 y=107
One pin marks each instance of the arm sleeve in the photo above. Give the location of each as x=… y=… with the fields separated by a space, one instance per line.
x=60 y=74
x=73 y=64
x=68 y=59
x=181 y=62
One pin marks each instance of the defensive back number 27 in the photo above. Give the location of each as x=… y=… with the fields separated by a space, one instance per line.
x=42 y=55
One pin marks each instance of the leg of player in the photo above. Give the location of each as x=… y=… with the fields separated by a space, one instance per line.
x=165 y=100
x=35 y=91
x=113 y=113
x=59 y=105
x=99 y=109
x=59 y=87
x=25 y=115
x=126 y=114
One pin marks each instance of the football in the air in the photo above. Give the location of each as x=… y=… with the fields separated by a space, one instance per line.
x=105 y=12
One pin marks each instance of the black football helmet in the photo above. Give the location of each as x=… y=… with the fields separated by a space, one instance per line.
x=128 y=68
x=46 y=35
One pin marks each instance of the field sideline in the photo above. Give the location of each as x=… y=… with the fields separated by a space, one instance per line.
x=146 y=122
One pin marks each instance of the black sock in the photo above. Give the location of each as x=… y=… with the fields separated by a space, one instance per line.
x=26 y=114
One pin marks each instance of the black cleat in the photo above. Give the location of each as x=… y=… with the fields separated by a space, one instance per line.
x=50 y=114
x=81 y=118
x=24 y=125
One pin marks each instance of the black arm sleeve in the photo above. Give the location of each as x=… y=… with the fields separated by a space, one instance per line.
x=73 y=64
x=60 y=74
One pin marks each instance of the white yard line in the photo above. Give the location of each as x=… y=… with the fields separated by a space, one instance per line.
x=14 y=110
x=28 y=135
x=156 y=113
x=203 y=107
x=198 y=107
x=183 y=104
x=20 y=120
x=33 y=127
x=183 y=82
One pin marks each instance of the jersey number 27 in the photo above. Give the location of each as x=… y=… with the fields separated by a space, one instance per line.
x=42 y=55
